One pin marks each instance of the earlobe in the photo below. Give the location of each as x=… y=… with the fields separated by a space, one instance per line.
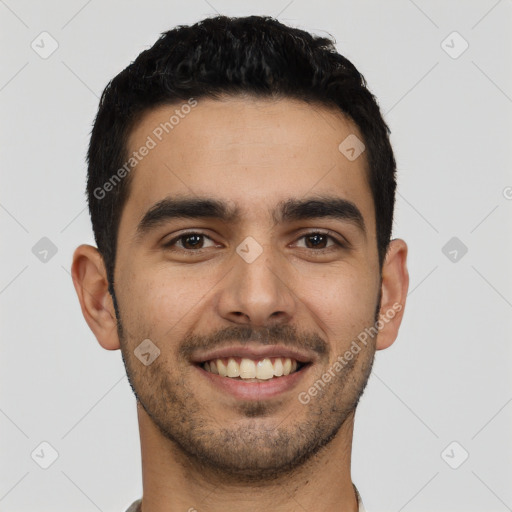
x=395 y=283
x=91 y=285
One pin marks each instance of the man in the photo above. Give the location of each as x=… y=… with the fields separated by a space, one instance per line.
x=241 y=188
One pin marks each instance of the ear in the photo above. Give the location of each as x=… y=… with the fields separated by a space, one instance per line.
x=90 y=279
x=395 y=283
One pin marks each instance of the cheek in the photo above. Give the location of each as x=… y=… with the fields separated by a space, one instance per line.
x=162 y=302
x=344 y=304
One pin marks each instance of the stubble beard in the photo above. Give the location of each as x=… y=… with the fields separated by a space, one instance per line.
x=258 y=449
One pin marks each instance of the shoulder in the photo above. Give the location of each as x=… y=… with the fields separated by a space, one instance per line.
x=135 y=506
x=359 y=500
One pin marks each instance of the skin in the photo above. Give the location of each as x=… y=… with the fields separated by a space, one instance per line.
x=201 y=447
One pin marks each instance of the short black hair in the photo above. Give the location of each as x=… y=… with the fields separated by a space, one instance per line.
x=219 y=56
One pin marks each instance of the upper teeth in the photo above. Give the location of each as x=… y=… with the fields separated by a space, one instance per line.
x=244 y=368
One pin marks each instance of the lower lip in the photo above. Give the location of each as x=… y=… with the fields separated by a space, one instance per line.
x=255 y=390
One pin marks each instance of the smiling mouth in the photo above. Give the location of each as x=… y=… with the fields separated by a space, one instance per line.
x=253 y=370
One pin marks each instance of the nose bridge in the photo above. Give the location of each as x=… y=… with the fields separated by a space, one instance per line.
x=256 y=291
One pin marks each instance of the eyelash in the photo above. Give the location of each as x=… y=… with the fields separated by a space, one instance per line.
x=341 y=245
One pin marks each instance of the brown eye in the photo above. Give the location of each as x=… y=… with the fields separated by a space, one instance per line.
x=190 y=242
x=317 y=240
x=193 y=241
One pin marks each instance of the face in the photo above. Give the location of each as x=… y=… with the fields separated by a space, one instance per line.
x=247 y=245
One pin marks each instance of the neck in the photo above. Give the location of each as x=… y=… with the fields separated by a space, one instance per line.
x=172 y=481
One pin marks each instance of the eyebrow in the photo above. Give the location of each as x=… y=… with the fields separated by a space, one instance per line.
x=286 y=211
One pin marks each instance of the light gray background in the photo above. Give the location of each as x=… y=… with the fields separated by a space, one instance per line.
x=448 y=376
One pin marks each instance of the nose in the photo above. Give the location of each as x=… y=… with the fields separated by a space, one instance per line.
x=258 y=293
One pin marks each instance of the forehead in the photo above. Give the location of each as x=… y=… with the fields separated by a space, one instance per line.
x=251 y=153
